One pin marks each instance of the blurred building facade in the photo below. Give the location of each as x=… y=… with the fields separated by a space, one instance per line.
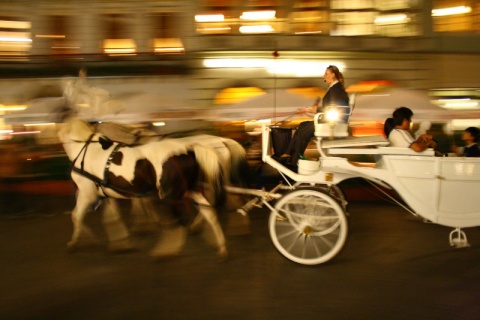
x=205 y=46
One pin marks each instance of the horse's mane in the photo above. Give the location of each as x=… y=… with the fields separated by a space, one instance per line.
x=77 y=129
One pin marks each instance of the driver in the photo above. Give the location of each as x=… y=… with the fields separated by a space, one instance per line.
x=336 y=95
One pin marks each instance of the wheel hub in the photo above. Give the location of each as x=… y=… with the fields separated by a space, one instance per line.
x=307 y=230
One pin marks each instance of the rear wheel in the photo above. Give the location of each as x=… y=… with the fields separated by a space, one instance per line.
x=309 y=227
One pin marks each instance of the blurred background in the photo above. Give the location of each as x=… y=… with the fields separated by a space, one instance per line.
x=224 y=67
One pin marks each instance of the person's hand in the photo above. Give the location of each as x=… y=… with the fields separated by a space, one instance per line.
x=310 y=109
x=307 y=110
x=424 y=139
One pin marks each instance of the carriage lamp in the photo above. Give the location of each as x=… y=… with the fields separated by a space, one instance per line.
x=332 y=115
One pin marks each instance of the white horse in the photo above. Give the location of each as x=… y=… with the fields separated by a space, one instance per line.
x=172 y=169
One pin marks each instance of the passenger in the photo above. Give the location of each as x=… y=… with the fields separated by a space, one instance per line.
x=388 y=126
x=401 y=137
x=336 y=95
x=471 y=137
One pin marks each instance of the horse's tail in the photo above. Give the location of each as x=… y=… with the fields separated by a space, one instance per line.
x=209 y=163
x=239 y=170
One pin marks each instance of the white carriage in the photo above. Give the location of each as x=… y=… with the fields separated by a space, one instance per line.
x=308 y=223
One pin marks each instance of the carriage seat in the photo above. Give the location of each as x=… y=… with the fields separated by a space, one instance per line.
x=364 y=141
x=381 y=150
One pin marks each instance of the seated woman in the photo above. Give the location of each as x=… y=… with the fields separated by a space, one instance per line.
x=399 y=136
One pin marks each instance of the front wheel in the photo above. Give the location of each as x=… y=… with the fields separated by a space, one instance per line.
x=309 y=227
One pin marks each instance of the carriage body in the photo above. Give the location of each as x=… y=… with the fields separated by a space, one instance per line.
x=441 y=190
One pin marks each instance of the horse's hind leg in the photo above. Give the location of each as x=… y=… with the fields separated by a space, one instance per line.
x=117 y=233
x=172 y=238
x=208 y=212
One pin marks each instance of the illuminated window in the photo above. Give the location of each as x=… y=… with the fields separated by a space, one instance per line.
x=118 y=38
x=167 y=34
x=60 y=40
x=310 y=4
x=309 y=22
x=15 y=36
x=398 y=24
x=352 y=23
x=352 y=4
x=392 y=18
x=455 y=15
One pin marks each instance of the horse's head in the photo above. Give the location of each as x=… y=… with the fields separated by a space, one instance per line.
x=74 y=129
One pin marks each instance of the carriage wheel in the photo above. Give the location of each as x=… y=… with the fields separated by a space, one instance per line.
x=332 y=190
x=337 y=194
x=310 y=227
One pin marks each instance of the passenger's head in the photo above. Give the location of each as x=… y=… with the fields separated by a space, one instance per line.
x=472 y=134
x=332 y=74
x=388 y=126
x=402 y=117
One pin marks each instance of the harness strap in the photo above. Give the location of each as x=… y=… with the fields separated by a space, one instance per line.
x=84 y=150
x=102 y=183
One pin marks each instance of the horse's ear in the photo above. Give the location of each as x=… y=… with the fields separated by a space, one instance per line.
x=105 y=142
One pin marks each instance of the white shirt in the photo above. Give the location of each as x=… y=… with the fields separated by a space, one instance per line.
x=400 y=138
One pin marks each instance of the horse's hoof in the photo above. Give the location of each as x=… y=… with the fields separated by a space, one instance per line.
x=170 y=243
x=223 y=255
x=195 y=228
x=144 y=229
x=72 y=246
x=164 y=256
x=75 y=245
x=121 y=246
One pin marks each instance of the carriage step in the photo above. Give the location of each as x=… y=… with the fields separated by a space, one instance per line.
x=458 y=239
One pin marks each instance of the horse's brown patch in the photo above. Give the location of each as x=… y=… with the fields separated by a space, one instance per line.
x=117 y=158
x=179 y=174
x=143 y=182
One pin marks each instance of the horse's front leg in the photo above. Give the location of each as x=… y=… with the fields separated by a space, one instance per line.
x=117 y=232
x=82 y=235
x=144 y=215
x=210 y=215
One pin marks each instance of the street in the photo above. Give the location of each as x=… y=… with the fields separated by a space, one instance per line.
x=394 y=266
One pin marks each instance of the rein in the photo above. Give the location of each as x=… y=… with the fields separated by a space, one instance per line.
x=85 y=146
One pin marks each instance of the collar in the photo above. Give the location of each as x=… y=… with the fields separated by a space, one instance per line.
x=334 y=83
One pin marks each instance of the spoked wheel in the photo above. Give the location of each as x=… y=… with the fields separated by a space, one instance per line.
x=309 y=227
x=332 y=190
x=338 y=194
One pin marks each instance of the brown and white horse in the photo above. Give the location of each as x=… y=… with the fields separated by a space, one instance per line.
x=145 y=213
x=105 y=169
